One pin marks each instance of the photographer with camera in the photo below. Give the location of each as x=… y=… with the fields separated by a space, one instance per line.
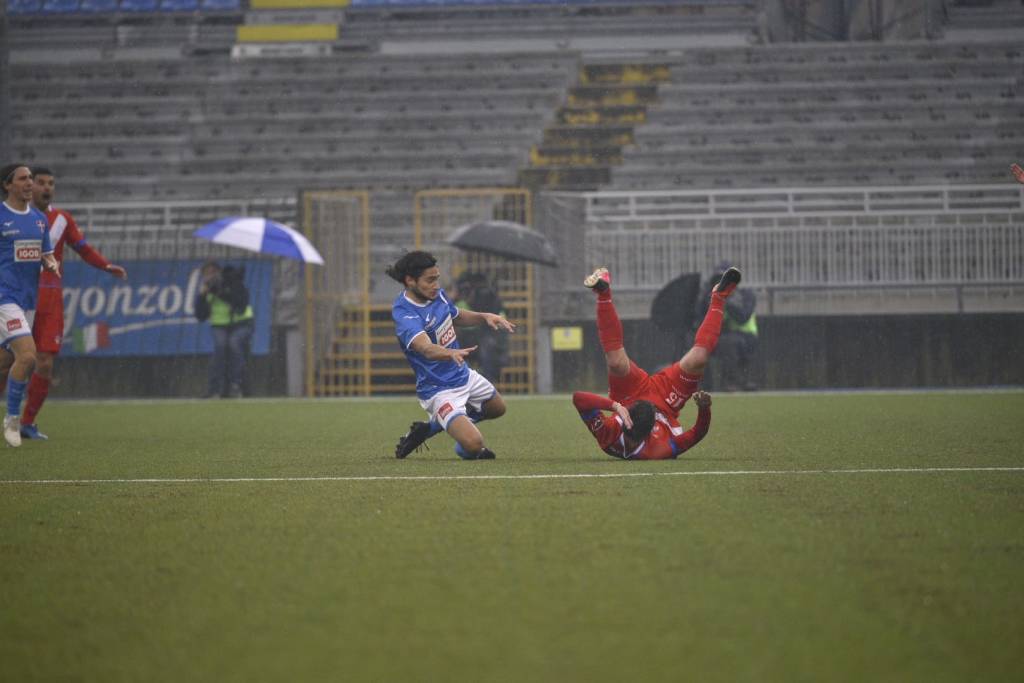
x=224 y=301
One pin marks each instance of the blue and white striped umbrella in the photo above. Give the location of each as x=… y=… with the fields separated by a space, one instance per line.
x=262 y=236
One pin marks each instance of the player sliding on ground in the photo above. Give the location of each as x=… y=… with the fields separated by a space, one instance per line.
x=644 y=424
x=454 y=395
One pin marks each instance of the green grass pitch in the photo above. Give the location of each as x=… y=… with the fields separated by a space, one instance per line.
x=421 y=570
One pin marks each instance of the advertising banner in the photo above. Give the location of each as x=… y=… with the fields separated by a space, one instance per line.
x=152 y=313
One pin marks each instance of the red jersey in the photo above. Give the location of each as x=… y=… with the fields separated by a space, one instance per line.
x=666 y=440
x=64 y=230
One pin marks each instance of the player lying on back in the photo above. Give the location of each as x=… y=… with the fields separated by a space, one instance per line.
x=646 y=407
x=640 y=432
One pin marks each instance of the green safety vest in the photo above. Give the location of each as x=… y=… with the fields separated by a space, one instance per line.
x=749 y=327
x=220 y=312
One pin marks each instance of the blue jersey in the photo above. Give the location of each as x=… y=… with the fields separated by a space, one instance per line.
x=24 y=238
x=435 y=319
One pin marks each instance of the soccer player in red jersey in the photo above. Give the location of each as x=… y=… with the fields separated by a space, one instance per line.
x=645 y=408
x=48 y=327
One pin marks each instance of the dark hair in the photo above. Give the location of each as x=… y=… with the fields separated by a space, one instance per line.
x=41 y=170
x=642 y=414
x=411 y=265
x=7 y=173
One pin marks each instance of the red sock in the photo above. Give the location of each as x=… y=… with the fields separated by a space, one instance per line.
x=609 y=327
x=711 y=328
x=38 y=388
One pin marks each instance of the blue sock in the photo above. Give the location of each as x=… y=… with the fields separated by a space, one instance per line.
x=435 y=428
x=15 y=391
x=461 y=452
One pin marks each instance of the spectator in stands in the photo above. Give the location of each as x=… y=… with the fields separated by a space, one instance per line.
x=475 y=292
x=737 y=346
x=224 y=300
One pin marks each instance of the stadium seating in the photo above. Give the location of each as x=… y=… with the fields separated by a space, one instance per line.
x=213 y=128
x=98 y=6
x=59 y=6
x=179 y=5
x=16 y=7
x=221 y=5
x=831 y=115
x=28 y=8
x=203 y=125
x=139 y=5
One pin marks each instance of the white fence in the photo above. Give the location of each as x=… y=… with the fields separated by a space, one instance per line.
x=154 y=230
x=947 y=238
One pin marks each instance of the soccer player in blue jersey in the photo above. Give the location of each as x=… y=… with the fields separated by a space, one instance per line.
x=454 y=395
x=24 y=243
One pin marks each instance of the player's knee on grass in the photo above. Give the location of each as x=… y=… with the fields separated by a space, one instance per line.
x=466 y=434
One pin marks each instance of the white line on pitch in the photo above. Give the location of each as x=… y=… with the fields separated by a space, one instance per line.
x=438 y=477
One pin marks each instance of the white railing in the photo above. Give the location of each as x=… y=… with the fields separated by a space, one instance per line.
x=630 y=209
x=811 y=257
x=145 y=230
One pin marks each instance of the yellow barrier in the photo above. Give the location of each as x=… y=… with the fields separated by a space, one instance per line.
x=287 y=33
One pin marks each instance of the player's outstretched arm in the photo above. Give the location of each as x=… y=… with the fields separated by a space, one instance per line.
x=603 y=427
x=692 y=436
x=467 y=318
x=117 y=271
x=431 y=351
x=586 y=403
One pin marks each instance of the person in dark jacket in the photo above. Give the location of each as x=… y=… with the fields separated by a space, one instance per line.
x=223 y=300
x=475 y=292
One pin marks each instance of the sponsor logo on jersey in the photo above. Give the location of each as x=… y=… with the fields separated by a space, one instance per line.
x=13 y=325
x=444 y=410
x=8 y=233
x=446 y=332
x=28 y=250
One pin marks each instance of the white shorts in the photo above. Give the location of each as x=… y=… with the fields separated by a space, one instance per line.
x=14 y=323
x=445 y=406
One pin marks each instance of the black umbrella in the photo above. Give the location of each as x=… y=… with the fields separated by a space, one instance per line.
x=673 y=307
x=505 y=238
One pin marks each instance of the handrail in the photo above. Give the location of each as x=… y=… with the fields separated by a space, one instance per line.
x=821 y=201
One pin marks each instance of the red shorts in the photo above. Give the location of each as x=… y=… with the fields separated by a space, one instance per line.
x=668 y=389
x=48 y=326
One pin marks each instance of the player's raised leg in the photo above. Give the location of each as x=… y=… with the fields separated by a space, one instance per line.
x=706 y=339
x=609 y=327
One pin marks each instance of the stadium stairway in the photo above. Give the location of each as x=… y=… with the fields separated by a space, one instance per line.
x=592 y=127
x=289 y=28
x=363 y=358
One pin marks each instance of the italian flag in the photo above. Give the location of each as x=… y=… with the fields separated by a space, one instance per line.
x=91 y=337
